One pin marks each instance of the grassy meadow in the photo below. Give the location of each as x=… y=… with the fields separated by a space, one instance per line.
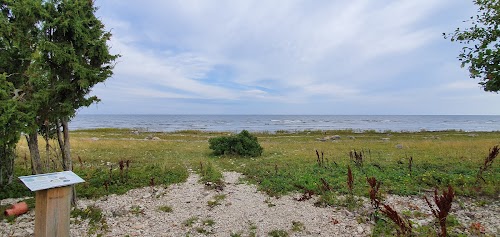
x=289 y=162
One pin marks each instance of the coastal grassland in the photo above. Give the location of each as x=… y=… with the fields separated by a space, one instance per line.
x=439 y=159
x=289 y=162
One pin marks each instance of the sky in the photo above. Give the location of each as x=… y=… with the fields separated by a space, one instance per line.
x=334 y=57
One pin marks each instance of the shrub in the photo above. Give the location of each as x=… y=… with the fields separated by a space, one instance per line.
x=243 y=144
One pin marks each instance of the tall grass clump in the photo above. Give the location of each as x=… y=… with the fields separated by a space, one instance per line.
x=101 y=180
x=211 y=176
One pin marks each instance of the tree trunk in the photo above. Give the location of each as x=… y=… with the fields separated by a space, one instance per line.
x=47 y=149
x=6 y=165
x=64 y=145
x=36 y=167
x=63 y=139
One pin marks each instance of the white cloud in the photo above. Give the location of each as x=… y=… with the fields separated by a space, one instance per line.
x=283 y=52
x=330 y=89
x=177 y=72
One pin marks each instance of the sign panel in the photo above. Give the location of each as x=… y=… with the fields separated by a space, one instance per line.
x=50 y=180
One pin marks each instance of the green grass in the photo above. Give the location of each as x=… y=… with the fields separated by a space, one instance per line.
x=136 y=210
x=298 y=226
x=237 y=234
x=278 y=233
x=190 y=221
x=288 y=161
x=208 y=222
x=210 y=175
x=216 y=200
x=95 y=217
x=165 y=208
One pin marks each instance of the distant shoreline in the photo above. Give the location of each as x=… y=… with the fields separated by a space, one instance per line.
x=288 y=114
x=290 y=123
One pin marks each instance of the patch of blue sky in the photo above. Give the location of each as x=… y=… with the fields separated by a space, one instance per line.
x=225 y=75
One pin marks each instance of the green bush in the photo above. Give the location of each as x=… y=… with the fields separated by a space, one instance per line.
x=243 y=144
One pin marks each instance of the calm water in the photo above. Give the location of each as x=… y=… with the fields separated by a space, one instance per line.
x=272 y=123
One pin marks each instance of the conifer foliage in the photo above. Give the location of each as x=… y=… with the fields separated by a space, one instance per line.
x=53 y=52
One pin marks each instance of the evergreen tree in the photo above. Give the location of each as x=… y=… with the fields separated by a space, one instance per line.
x=75 y=57
x=52 y=53
x=19 y=31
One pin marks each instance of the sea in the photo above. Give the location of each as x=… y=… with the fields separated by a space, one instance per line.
x=289 y=123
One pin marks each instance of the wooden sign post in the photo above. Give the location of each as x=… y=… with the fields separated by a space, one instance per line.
x=53 y=201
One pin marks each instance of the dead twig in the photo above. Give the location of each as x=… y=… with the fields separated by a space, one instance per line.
x=404 y=225
x=374 y=192
x=350 y=180
x=488 y=163
x=443 y=203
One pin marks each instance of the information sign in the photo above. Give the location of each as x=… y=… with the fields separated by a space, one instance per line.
x=50 y=180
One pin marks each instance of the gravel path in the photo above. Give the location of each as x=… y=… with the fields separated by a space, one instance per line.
x=240 y=210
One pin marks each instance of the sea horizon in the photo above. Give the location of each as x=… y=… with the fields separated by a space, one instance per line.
x=273 y=123
x=222 y=114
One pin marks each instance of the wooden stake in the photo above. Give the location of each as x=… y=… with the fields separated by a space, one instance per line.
x=52 y=212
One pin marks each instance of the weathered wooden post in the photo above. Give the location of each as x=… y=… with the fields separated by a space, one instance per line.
x=53 y=201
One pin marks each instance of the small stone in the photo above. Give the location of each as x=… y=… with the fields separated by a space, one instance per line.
x=155 y=139
x=148 y=195
x=360 y=229
x=470 y=215
x=138 y=226
x=119 y=212
x=23 y=225
x=30 y=231
x=94 y=139
x=399 y=146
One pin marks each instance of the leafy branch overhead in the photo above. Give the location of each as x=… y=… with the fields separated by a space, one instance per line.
x=481 y=50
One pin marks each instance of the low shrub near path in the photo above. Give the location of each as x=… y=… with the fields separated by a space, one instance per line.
x=243 y=144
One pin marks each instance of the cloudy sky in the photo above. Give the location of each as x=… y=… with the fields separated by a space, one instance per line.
x=288 y=57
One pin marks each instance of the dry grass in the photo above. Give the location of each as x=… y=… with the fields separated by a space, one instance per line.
x=289 y=159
